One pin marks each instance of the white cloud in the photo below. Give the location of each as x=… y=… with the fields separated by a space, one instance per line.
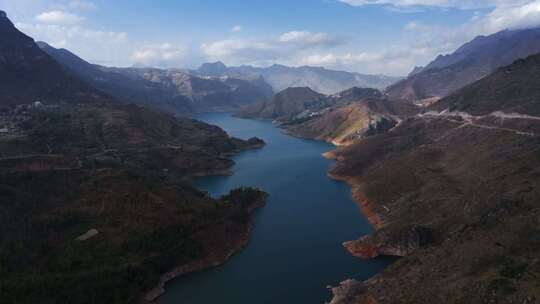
x=162 y=55
x=459 y=4
x=320 y=60
x=305 y=39
x=62 y=32
x=343 y=60
x=60 y=24
x=267 y=50
x=81 y=5
x=511 y=17
x=241 y=51
x=394 y=62
x=58 y=17
x=442 y=39
x=97 y=46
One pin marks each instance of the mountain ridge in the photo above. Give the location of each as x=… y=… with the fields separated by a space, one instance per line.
x=21 y=56
x=470 y=62
x=301 y=103
x=454 y=192
x=319 y=79
x=172 y=90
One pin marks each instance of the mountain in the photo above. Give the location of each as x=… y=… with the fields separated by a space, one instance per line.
x=172 y=90
x=286 y=104
x=340 y=118
x=416 y=70
x=97 y=201
x=469 y=63
x=454 y=192
x=302 y=103
x=355 y=94
x=97 y=204
x=213 y=69
x=352 y=121
x=28 y=74
x=281 y=77
x=511 y=89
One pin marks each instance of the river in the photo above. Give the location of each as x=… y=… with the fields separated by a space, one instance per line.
x=295 y=250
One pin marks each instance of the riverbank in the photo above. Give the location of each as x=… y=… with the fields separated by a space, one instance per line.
x=295 y=249
x=219 y=246
x=457 y=202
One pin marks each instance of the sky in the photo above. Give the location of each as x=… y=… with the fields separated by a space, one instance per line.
x=367 y=36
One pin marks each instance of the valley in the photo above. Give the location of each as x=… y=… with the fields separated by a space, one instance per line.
x=296 y=240
x=260 y=182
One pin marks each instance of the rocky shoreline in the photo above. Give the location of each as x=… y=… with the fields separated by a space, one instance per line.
x=232 y=245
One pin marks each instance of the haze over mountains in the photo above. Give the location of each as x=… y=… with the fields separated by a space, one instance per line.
x=216 y=87
x=319 y=79
x=472 y=61
x=213 y=87
x=176 y=91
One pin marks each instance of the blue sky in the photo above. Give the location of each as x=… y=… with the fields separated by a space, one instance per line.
x=368 y=36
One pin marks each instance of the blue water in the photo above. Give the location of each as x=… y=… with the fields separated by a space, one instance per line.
x=295 y=251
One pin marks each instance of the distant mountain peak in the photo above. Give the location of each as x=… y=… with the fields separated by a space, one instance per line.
x=416 y=70
x=3 y=14
x=280 y=77
x=217 y=68
x=217 y=64
x=298 y=90
x=43 y=44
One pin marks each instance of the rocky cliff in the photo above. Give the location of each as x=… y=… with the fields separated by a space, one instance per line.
x=347 y=122
x=456 y=194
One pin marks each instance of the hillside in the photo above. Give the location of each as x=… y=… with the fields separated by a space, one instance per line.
x=319 y=79
x=22 y=62
x=455 y=194
x=302 y=103
x=286 y=104
x=172 y=90
x=511 y=89
x=96 y=201
x=97 y=204
x=345 y=124
x=469 y=63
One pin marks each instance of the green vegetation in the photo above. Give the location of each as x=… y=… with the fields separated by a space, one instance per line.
x=42 y=262
x=510 y=268
x=149 y=220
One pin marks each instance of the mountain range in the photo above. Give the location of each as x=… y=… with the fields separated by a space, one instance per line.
x=451 y=186
x=174 y=90
x=213 y=87
x=319 y=79
x=454 y=192
x=302 y=103
x=472 y=61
